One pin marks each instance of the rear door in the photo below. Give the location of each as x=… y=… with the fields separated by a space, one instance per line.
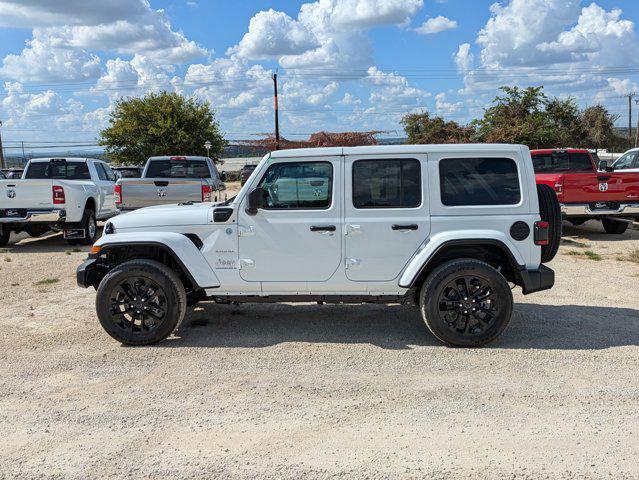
x=106 y=185
x=386 y=214
x=18 y=196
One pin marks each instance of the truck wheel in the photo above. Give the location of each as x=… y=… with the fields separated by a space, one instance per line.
x=90 y=226
x=614 y=227
x=140 y=302
x=5 y=233
x=466 y=303
x=549 y=211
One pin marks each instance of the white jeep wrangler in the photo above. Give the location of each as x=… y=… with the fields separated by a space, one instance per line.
x=444 y=227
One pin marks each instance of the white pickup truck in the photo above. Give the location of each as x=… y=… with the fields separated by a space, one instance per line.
x=444 y=227
x=166 y=180
x=61 y=194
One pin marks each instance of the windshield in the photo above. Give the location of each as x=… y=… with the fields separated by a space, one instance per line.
x=62 y=170
x=178 y=169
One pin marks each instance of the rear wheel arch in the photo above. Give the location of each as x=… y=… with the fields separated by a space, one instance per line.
x=91 y=205
x=493 y=252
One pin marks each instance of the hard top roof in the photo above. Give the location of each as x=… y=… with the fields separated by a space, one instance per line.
x=395 y=149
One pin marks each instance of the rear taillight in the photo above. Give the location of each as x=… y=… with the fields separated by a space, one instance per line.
x=58 y=195
x=118 y=194
x=542 y=230
x=206 y=193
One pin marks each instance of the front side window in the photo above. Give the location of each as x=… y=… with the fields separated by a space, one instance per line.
x=387 y=183
x=178 y=168
x=298 y=185
x=479 y=181
x=629 y=160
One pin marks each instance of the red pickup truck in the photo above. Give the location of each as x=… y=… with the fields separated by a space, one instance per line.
x=588 y=189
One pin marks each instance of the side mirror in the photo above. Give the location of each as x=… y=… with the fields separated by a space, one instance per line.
x=256 y=200
x=223 y=176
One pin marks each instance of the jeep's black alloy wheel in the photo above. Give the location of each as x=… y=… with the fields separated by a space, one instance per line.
x=138 y=305
x=140 y=302
x=466 y=302
x=468 y=305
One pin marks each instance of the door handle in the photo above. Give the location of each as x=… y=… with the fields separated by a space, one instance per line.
x=412 y=226
x=603 y=178
x=323 y=228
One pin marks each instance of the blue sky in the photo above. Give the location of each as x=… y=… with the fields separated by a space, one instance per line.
x=343 y=64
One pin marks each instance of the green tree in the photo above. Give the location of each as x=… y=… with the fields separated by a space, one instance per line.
x=566 y=119
x=422 y=128
x=160 y=124
x=518 y=117
x=598 y=125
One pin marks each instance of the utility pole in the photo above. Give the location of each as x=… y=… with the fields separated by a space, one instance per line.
x=630 y=97
x=637 y=130
x=2 y=164
x=23 y=157
x=277 y=117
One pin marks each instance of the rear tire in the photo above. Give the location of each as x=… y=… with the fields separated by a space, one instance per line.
x=140 y=302
x=5 y=233
x=466 y=303
x=549 y=211
x=614 y=227
x=90 y=226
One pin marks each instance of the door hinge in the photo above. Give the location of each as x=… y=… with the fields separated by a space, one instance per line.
x=352 y=263
x=245 y=231
x=246 y=263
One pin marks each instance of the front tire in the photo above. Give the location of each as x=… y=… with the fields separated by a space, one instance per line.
x=140 y=302
x=466 y=303
x=614 y=227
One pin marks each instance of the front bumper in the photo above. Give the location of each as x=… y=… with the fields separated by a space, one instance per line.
x=537 y=280
x=587 y=210
x=87 y=273
x=36 y=216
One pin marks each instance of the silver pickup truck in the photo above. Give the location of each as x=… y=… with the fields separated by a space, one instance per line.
x=167 y=180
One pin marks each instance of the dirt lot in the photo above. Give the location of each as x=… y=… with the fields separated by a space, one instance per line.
x=322 y=391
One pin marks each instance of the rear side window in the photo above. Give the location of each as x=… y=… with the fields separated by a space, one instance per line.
x=562 y=162
x=60 y=170
x=629 y=160
x=178 y=169
x=479 y=181
x=298 y=185
x=387 y=183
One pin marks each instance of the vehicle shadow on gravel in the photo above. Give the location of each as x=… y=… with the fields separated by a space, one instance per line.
x=391 y=327
x=593 y=230
x=50 y=242
x=533 y=326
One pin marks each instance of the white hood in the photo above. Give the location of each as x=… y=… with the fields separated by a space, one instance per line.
x=165 y=216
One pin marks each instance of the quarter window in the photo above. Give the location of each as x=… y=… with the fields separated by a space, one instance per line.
x=479 y=181
x=387 y=183
x=298 y=185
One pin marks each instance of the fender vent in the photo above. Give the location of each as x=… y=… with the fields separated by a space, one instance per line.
x=197 y=241
x=520 y=231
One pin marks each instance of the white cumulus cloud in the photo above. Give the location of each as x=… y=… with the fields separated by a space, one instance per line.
x=436 y=25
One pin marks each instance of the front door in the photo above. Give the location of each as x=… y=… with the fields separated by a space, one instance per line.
x=386 y=214
x=296 y=237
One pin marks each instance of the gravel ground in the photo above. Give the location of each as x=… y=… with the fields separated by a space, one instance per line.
x=322 y=391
